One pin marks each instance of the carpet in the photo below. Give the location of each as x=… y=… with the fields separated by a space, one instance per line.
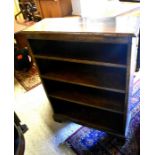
x=89 y=141
x=28 y=79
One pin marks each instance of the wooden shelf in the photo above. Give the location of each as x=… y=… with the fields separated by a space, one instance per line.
x=89 y=115
x=111 y=53
x=91 y=100
x=91 y=97
x=59 y=117
x=105 y=78
x=81 y=82
x=85 y=80
x=101 y=99
x=82 y=61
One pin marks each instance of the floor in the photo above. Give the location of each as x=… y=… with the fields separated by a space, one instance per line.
x=44 y=136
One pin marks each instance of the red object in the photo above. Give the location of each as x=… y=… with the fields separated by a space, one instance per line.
x=19 y=57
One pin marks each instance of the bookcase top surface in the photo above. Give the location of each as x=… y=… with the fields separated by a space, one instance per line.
x=124 y=25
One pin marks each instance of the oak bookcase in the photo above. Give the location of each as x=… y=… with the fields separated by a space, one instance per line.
x=87 y=74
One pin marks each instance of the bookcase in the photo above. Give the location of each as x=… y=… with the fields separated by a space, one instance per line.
x=87 y=76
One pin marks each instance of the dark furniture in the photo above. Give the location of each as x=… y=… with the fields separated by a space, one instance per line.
x=87 y=68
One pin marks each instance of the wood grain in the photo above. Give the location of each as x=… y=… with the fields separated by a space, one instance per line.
x=54 y=8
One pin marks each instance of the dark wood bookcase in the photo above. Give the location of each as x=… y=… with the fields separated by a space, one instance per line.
x=87 y=76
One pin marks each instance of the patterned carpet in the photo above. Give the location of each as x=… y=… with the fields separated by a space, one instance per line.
x=28 y=79
x=88 y=141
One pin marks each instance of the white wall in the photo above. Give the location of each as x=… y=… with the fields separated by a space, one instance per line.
x=92 y=8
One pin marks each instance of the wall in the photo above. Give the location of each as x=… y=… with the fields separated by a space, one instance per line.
x=92 y=8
